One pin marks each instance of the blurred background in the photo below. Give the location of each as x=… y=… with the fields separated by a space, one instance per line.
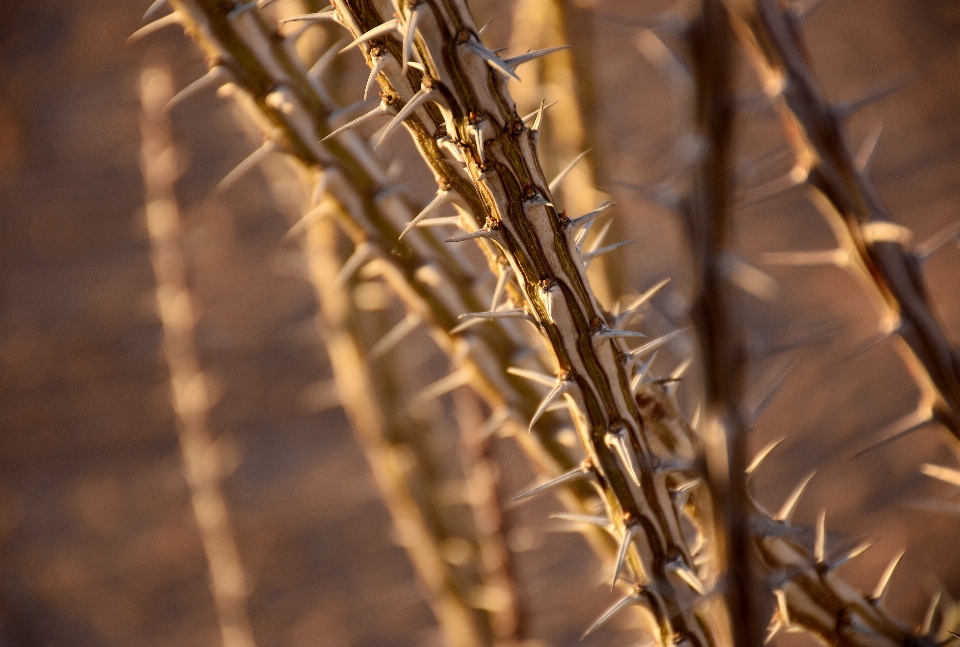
x=98 y=540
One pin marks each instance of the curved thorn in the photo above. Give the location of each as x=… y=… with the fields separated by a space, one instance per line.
x=914 y=421
x=761 y=456
x=562 y=175
x=589 y=256
x=406 y=325
x=156 y=25
x=317 y=16
x=561 y=387
x=154 y=9
x=790 y=505
x=533 y=376
x=248 y=163
x=881 y=589
x=492 y=59
x=611 y=611
x=417 y=100
x=927 y=624
x=515 y=61
x=443 y=197
x=410 y=31
x=576 y=223
x=216 y=74
x=867 y=148
x=567 y=477
x=642 y=373
x=480 y=233
x=323 y=63
x=362 y=253
x=686 y=574
x=376 y=32
x=444 y=385
x=628 y=532
x=820 y=538
x=538 y=114
x=379 y=111
x=375 y=70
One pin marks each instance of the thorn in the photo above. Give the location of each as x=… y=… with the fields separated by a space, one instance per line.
x=406 y=325
x=795 y=177
x=589 y=256
x=663 y=195
x=362 y=253
x=443 y=221
x=629 y=531
x=575 y=474
x=586 y=218
x=910 y=423
x=611 y=611
x=674 y=382
x=790 y=505
x=474 y=318
x=593 y=520
x=761 y=456
x=820 y=539
x=851 y=554
x=376 y=32
x=538 y=113
x=782 y=608
x=455 y=380
x=317 y=16
x=616 y=439
x=803 y=10
x=410 y=31
x=314 y=215
x=835 y=257
x=443 y=197
x=493 y=423
x=938 y=241
x=492 y=59
x=560 y=387
x=323 y=63
x=640 y=351
x=695 y=420
x=772 y=631
x=624 y=317
x=480 y=233
x=867 y=148
x=605 y=334
x=843 y=110
x=248 y=163
x=927 y=624
x=484 y=28
x=884 y=231
x=941 y=473
x=642 y=373
x=561 y=176
x=748 y=278
x=154 y=9
x=516 y=61
x=772 y=389
x=501 y=285
x=881 y=589
x=156 y=25
x=685 y=573
x=375 y=71
x=597 y=240
x=217 y=74
x=422 y=96
x=379 y=111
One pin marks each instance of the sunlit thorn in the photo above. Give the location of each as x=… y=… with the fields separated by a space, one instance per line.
x=380 y=30
x=442 y=198
x=423 y=95
x=156 y=25
x=577 y=223
x=323 y=63
x=880 y=591
x=316 y=214
x=561 y=387
x=567 y=477
x=362 y=254
x=533 y=376
x=628 y=533
x=640 y=351
x=403 y=328
x=606 y=334
x=685 y=573
x=616 y=439
x=641 y=375
x=155 y=7
x=797 y=176
x=820 y=538
x=826 y=257
x=631 y=310
x=474 y=235
x=761 y=456
x=589 y=256
x=855 y=552
x=867 y=149
x=927 y=624
x=318 y=16
x=790 y=505
x=492 y=59
x=502 y=279
x=611 y=611
x=914 y=421
x=941 y=473
x=561 y=176
x=246 y=165
x=537 y=114
x=375 y=71
x=515 y=61
x=217 y=75
x=410 y=32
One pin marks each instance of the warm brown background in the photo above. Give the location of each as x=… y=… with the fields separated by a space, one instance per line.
x=98 y=541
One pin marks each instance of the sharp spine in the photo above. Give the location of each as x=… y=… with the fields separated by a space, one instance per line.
x=376 y=32
x=362 y=254
x=606 y=334
x=561 y=387
x=829 y=257
x=410 y=32
x=629 y=530
x=639 y=302
x=443 y=386
x=533 y=376
x=820 y=538
x=443 y=197
x=492 y=59
x=515 y=61
x=538 y=114
x=616 y=439
x=562 y=175
x=611 y=611
x=880 y=591
x=248 y=163
x=589 y=256
x=914 y=421
x=323 y=63
x=685 y=573
x=586 y=218
x=567 y=477
x=317 y=16
x=642 y=373
x=216 y=75
x=637 y=353
x=156 y=25
x=423 y=95
x=375 y=70
x=938 y=241
x=406 y=325
x=154 y=9
x=789 y=507
x=480 y=233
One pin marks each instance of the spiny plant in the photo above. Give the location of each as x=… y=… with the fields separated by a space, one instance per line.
x=705 y=563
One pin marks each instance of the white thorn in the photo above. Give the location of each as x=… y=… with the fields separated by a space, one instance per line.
x=567 y=477
x=835 y=257
x=685 y=573
x=406 y=325
x=248 y=163
x=442 y=386
x=515 y=61
x=616 y=439
x=773 y=388
x=317 y=16
x=473 y=235
x=761 y=456
x=589 y=256
x=561 y=387
x=216 y=74
x=410 y=31
x=880 y=591
x=867 y=148
x=782 y=608
x=748 y=278
x=795 y=177
x=642 y=373
x=443 y=197
x=380 y=30
x=538 y=114
x=927 y=623
x=323 y=63
x=922 y=416
x=375 y=70
x=606 y=334
x=941 y=473
x=586 y=218
x=422 y=96
x=379 y=111
x=615 y=608
x=316 y=214
x=624 y=317
x=156 y=25
x=820 y=539
x=362 y=253
x=790 y=505
x=501 y=286
x=643 y=349
x=492 y=59
x=561 y=176
x=628 y=533
x=533 y=376
x=154 y=9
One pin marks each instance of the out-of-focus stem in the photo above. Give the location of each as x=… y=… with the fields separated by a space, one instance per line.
x=202 y=456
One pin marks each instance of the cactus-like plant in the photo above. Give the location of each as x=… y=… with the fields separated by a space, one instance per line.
x=705 y=563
